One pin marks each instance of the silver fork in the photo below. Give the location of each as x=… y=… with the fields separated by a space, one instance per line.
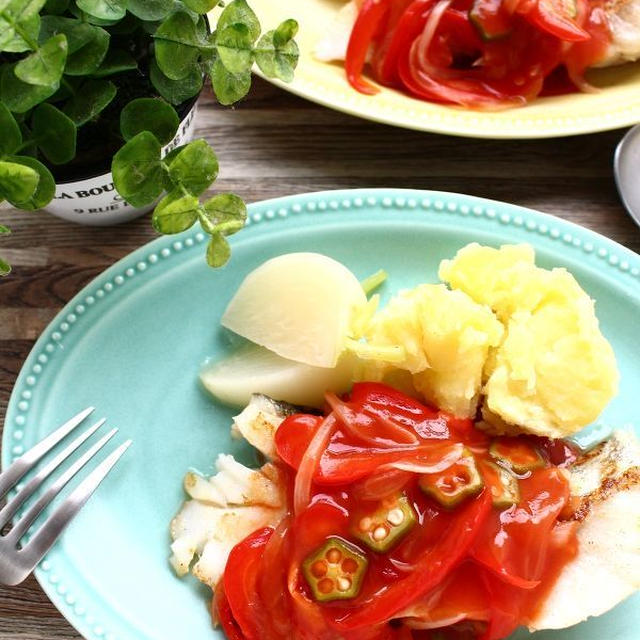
x=16 y=562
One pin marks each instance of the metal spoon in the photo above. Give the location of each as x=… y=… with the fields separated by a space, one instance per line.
x=626 y=167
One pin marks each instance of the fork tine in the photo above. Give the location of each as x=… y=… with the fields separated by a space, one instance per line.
x=24 y=463
x=60 y=518
x=12 y=506
x=36 y=508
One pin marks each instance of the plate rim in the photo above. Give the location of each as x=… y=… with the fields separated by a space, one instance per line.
x=624 y=263
x=313 y=81
x=597 y=123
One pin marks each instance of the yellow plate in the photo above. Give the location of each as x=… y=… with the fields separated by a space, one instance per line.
x=617 y=104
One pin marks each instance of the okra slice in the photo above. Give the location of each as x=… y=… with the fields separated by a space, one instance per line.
x=383 y=528
x=517 y=454
x=335 y=571
x=505 y=490
x=450 y=487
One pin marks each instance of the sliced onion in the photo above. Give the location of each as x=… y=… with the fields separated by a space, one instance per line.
x=381 y=485
x=412 y=465
x=440 y=84
x=577 y=77
x=309 y=463
x=358 y=423
x=418 y=623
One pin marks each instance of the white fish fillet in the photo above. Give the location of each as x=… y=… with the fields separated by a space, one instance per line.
x=207 y=534
x=235 y=484
x=258 y=422
x=207 y=527
x=333 y=45
x=236 y=501
x=606 y=569
x=623 y=17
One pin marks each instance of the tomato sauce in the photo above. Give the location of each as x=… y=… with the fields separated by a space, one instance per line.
x=412 y=524
x=481 y=54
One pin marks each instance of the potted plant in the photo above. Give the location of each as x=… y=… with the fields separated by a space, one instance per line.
x=97 y=101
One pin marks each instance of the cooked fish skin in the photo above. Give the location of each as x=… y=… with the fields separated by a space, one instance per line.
x=606 y=569
x=623 y=19
x=259 y=420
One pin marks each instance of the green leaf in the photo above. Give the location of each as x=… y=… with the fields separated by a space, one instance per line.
x=54 y=133
x=235 y=48
x=149 y=114
x=16 y=16
x=285 y=32
x=195 y=167
x=78 y=33
x=225 y=212
x=116 y=61
x=137 y=170
x=56 y=7
x=201 y=6
x=104 y=9
x=90 y=100
x=239 y=12
x=17 y=182
x=88 y=57
x=13 y=42
x=177 y=45
x=175 y=91
x=218 y=251
x=45 y=189
x=11 y=137
x=4 y=230
x=229 y=87
x=278 y=60
x=45 y=66
x=169 y=158
x=175 y=213
x=150 y=9
x=5 y=268
x=19 y=96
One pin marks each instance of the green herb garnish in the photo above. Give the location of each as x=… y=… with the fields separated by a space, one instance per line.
x=63 y=65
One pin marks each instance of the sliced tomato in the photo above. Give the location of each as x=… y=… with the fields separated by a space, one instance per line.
x=294 y=435
x=407 y=29
x=491 y=19
x=460 y=597
x=557 y=17
x=582 y=55
x=514 y=543
x=240 y=581
x=378 y=399
x=221 y=612
x=370 y=18
x=348 y=460
x=429 y=569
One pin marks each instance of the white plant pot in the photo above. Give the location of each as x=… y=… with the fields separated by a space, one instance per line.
x=94 y=201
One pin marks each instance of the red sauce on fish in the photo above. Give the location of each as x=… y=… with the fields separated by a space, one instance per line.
x=403 y=522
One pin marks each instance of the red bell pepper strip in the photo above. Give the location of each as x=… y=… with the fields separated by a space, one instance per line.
x=365 y=28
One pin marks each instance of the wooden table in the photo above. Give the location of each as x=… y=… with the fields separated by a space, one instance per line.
x=274 y=144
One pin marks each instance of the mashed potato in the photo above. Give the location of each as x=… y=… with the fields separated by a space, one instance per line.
x=554 y=371
x=446 y=338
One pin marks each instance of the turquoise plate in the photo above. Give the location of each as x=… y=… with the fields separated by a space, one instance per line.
x=130 y=343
